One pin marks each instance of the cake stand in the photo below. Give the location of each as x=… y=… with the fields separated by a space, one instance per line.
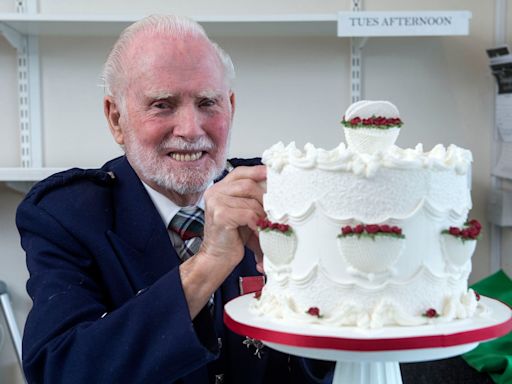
x=365 y=356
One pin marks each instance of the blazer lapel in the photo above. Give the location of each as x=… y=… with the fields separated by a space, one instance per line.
x=139 y=237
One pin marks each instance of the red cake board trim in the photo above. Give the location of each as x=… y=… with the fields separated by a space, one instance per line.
x=365 y=345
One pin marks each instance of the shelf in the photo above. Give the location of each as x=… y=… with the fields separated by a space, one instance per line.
x=16 y=174
x=228 y=25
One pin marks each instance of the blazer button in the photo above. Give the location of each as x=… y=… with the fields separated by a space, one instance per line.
x=219 y=343
x=219 y=379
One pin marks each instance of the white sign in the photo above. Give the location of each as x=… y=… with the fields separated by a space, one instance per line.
x=401 y=23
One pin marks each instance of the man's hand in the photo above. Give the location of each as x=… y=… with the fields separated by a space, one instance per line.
x=232 y=209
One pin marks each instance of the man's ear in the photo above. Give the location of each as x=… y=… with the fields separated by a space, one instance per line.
x=232 y=102
x=112 y=113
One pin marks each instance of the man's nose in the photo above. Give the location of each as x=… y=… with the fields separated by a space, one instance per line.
x=188 y=123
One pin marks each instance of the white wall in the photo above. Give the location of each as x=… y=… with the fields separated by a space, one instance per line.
x=288 y=88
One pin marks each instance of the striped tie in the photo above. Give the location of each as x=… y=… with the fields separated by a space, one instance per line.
x=188 y=224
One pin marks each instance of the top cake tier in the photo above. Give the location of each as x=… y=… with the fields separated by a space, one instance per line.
x=377 y=179
x=371 y=129
x=371 y=126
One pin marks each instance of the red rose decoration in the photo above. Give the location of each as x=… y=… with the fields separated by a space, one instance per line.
x=314 y=311
x=473 y=232
x=396 y=230
x=454 y=231
x=374 y=121
x=372 y=228
x=470 y=230
x=430 y=313
x=265 y=224
x=475 y=223
x=346 y=230
x=359 y=228
x=262 y=223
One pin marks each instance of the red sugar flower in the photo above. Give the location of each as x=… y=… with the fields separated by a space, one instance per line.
x=431 y=313
x=262 y=223
x=454 y=231
x=314 y=311
x=475 y=223
x=473 y=232
x=396 y=230
x=359 y=228
x=379 y=122
x=371 y=230
x=346 y=230
x=266 y=225
x=477 y=296
x=470 y=231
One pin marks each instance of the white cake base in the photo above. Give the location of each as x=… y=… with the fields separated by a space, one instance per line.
x=367 y=356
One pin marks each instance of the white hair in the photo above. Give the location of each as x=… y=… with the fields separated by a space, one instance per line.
x=172 y=25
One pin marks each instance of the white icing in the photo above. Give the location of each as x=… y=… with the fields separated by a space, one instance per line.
x=457 y=252
x=370 y=140
x=279 y=248
x=343 y=159
x=390 y=304
x=370 y=256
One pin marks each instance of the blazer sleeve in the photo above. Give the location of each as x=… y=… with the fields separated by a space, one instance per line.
x=75 y=333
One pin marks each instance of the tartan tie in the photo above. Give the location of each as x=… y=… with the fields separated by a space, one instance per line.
x=188 y=224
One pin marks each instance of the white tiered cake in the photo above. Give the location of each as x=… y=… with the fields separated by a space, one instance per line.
x=370 y=234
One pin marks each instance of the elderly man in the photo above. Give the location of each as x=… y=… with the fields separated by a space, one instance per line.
x=126 y=285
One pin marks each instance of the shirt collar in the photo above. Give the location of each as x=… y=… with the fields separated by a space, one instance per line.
x=165 y=206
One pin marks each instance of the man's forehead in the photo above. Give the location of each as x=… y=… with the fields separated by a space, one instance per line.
x=162 y=46
x=168 y=94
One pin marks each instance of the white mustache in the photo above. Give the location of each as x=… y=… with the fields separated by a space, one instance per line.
x=204 y=143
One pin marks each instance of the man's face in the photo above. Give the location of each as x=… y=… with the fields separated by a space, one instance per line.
x=177 y=114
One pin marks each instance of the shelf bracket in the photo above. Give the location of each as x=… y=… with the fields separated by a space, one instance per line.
x=29 y=90
x=29 y=93
x=356 y=56
x=12 y=36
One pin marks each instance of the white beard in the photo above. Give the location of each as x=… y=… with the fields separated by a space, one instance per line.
x=182 y=180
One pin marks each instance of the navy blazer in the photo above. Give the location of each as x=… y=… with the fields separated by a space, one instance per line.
x=108 y=304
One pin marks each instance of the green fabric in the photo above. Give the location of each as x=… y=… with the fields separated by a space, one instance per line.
x=494 y=357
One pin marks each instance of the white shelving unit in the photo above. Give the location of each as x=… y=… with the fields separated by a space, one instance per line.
x=23 y=29
x=228 y=25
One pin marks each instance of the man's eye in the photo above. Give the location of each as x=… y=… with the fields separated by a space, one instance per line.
x=161 y=105
x=207 y=102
